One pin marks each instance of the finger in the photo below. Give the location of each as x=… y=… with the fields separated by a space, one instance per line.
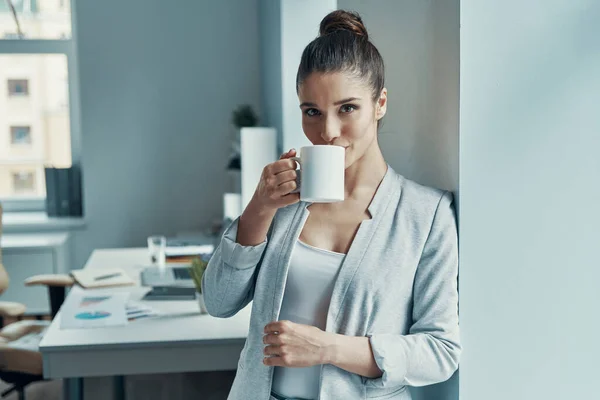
x=272 y=338
x=273 y=350
x=268 y=338
x=273 y=361
x=284 y=155
x=285 y=360
x=278 y=326
x=272 y=327
x=285 y=176
x=288 y=154
x=286 y=188
x=281 y=166
x=291 y=153
x=289 y=199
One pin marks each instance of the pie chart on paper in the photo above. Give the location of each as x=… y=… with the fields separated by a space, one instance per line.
x=92 y=315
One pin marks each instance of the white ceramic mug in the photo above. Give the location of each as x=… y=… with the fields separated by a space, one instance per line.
x=321 y=174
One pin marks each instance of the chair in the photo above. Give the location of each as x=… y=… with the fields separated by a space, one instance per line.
x=20 y=358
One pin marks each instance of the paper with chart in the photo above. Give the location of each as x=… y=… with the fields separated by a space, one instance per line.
x=93 y=309
x=136 y=310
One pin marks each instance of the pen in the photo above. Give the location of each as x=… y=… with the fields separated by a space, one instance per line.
x=99 y=278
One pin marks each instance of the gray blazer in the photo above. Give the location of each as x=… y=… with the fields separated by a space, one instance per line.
x=397 y=286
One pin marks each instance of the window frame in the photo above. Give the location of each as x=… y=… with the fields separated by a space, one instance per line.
x=67 y=47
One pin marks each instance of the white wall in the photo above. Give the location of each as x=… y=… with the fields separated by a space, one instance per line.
x=529 y=184
x=419 y=43
x=300 y=25
x=158 y=83
x=286 y=27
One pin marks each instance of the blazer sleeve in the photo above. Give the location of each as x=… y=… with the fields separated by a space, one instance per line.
x=430 y=352
x=228 y=281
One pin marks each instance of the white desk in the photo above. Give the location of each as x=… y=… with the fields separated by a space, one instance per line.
x=182 y=340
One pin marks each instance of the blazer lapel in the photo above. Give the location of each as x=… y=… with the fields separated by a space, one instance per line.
x=359 y=247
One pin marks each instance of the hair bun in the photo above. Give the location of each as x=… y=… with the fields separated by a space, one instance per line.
x=341 y=20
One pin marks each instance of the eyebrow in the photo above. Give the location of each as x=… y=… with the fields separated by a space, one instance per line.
x=337 y=103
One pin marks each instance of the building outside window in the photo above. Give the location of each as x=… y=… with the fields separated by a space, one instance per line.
x=38 y=88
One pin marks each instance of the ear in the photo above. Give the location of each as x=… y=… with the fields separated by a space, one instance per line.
x=381 y=106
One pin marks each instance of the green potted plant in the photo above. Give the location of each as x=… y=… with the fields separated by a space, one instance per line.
x=197 y=269
x=242 y=117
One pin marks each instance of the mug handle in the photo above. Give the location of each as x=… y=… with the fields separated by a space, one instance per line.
x=298 y=174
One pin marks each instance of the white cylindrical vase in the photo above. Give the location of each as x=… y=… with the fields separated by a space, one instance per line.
x=258 y=148
x=232 y=206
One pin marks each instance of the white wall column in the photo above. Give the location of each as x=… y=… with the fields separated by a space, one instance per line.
x=286 y=27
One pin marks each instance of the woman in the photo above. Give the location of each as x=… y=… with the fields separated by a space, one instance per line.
x=351 y=300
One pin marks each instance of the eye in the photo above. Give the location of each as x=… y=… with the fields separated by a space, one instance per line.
x=348 y=108
x=311 y=112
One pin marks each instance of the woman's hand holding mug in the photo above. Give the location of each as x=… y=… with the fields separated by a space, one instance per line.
x=321 y=177
x=277 y=182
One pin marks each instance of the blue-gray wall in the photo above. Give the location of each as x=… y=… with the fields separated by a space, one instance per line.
x=530 y=196
x=158 y=83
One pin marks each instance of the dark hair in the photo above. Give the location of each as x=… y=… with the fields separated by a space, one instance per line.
x=343 y=45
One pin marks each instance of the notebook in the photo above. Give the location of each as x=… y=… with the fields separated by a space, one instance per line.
x=101 y=277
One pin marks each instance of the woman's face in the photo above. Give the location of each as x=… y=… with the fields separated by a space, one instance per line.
x=338 y=109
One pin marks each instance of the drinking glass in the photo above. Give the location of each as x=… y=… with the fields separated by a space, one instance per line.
x=156 y=248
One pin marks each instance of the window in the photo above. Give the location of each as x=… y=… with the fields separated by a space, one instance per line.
x=18 y=87
x=41 y=19
x=20 y=135
x=23 y=182
x=38 y=89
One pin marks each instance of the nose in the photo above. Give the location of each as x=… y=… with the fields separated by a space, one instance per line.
x=331 y=129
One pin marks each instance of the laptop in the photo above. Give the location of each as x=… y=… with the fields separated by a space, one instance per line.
x=170 y=293
x=173 y=276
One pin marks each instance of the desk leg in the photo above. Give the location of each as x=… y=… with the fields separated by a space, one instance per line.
x=73 y=389
x=119 y=387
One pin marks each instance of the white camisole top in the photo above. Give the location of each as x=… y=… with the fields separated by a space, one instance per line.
x=311 y=276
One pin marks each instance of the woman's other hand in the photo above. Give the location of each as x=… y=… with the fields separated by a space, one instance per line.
x=289 y=344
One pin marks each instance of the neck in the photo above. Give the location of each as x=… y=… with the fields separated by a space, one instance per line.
x=367 y=172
